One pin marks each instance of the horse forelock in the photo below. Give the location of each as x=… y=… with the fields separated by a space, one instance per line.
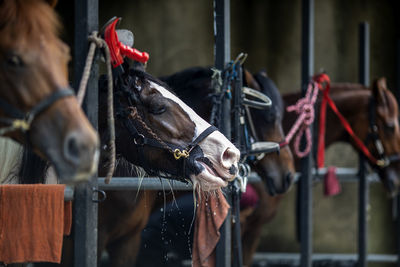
x=28 y=19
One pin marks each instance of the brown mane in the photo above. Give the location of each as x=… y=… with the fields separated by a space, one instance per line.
x=27 y=18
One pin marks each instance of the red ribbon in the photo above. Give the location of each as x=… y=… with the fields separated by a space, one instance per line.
x=320 y=79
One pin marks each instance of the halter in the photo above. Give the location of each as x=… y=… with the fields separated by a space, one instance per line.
x=383 y=160
x=18 y=120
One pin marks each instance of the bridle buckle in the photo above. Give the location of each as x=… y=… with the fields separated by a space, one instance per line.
x=179 y=154
x=382 y=163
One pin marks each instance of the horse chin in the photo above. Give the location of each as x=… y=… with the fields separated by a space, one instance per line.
x=208 y=179
x=66 y=177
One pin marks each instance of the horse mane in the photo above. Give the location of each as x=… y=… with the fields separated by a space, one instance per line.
x=187 y=79
x=335 y=88
x=27 y=18
x=144 y=76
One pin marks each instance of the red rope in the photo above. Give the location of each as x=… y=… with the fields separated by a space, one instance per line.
x=320 y=79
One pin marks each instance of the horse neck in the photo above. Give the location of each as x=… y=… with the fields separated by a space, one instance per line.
x=352 y=103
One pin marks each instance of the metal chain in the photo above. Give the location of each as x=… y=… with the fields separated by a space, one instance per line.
x=97 y=42
x=135 y=115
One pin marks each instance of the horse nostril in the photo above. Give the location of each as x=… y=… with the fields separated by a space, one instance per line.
x=233 y=170
x=288 y=180
x=72 y=149
x=230 y=157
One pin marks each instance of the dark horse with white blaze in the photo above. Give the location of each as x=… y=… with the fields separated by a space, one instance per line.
x=36 y=105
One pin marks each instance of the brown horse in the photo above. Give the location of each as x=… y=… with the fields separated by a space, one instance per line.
x=36 y=104
x=354 y=102
x=369 y=112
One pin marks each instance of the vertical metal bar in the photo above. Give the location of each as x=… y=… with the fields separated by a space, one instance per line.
x=397 y=93
x=362 y=213
x=363 y=74
x=363 y=191
x=222 y=52
x=305 y=185
x=85 y=210
x=237 y=256
x=398 y=228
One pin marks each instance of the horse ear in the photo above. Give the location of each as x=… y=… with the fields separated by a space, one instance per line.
x=251 y=81
x=263 y=72
x=386 y=103
x=379 y=88
x=52 y=3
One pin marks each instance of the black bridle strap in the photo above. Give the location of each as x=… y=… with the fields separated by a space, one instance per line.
x=48 y=101
x=201 y=137
x=13 y=112
x=19 y=120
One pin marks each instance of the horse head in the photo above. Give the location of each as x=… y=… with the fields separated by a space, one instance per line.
x=35 y=93
x=383 y=136
x=152 y=124
x=277 y=170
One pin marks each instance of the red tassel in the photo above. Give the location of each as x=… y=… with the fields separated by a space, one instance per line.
x=331 y=182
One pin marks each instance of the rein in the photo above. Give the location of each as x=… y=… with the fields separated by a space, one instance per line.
x=18 y=120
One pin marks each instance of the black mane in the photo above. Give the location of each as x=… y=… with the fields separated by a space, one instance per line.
x=268 y=87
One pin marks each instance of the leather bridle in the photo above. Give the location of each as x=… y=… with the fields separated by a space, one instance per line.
x=18 y=120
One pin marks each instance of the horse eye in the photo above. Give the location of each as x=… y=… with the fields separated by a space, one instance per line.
x=15 y=61
x=157 y=110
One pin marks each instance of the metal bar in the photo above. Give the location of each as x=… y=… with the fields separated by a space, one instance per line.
x=235 y=188
x=85 y=210
x=398 y=229
x=363 y=75
x=363 y=193
x=222 y=53
x=397 y=94
x=363 y=190
x=305 y=185
x=295 y=257
x=156 y=183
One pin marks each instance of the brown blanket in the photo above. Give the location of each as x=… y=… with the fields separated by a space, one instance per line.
x=33 y=220
x=211 y=212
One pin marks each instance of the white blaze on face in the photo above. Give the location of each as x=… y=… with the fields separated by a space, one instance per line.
x=200 y=124
x=216 y=147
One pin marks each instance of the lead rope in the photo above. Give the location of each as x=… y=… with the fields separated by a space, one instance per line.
x=97 y=42
x=304 y=107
